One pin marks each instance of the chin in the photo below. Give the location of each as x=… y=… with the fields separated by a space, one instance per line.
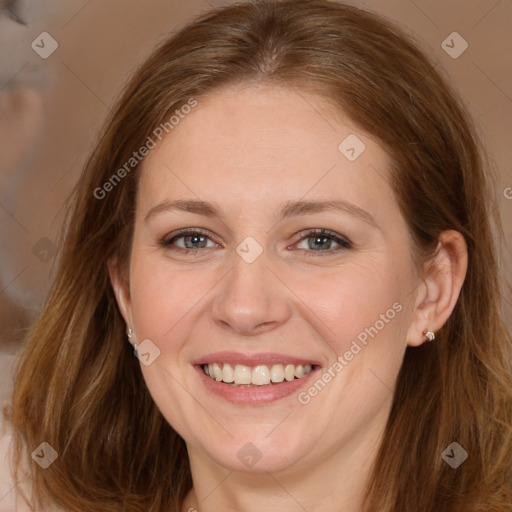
x=259 y=454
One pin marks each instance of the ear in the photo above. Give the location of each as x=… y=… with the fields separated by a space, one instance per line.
x=121 y=288
x=440 y=288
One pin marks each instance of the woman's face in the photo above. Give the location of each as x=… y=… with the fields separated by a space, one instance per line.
x=230 y=266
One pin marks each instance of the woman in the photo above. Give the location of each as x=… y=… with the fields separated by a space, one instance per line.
x=286 y=218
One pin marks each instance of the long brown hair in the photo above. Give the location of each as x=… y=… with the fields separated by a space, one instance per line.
x=80 y=388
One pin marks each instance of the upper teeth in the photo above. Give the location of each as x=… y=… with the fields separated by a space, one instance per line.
x=258 y=375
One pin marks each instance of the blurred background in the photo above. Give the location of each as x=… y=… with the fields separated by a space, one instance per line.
x=63 y=63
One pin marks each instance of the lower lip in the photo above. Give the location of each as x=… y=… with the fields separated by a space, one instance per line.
x=257 y=395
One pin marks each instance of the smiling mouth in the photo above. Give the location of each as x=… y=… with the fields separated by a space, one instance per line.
x=255 y=376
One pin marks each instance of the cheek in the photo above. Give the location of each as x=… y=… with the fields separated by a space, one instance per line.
x=163 y=297
x=349 y=301
x=366 y=310
x=164 y=306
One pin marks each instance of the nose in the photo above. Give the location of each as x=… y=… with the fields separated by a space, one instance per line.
x=251 y=299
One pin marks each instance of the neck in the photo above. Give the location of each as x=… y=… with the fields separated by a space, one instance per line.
x=335 y=481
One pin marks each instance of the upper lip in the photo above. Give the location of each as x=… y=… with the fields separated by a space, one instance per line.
x=252 y=359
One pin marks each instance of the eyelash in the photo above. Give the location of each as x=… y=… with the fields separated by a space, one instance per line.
x=343 y=242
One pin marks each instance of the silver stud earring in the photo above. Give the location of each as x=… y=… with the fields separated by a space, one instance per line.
x=429 y=335
x=129 y=333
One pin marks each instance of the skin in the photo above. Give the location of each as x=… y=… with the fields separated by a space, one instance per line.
x=249 y=150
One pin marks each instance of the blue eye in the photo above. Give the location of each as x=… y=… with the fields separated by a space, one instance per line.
x=192 y=240
x=319 y=242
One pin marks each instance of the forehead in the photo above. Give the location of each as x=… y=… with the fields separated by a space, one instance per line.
x=254 y=143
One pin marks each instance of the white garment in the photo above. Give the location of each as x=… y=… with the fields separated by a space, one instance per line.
x=11 y=495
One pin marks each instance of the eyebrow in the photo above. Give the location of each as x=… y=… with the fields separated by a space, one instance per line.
x=288 y=209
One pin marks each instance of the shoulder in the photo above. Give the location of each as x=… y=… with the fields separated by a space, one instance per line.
x=14 y=494
x=11 y=492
